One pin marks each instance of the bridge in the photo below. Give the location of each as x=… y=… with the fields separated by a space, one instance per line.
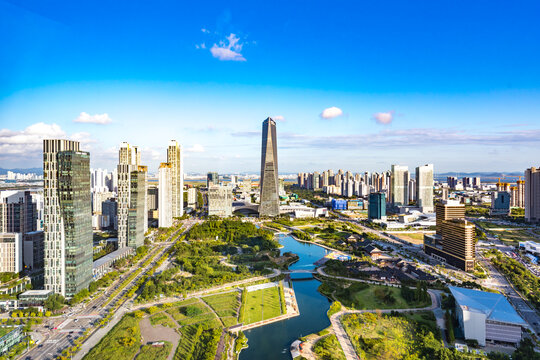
x=313 y=271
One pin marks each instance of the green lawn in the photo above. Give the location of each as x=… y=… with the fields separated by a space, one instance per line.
x=162 y=319
x=226 y=306
x=515 y=236
x=489 y=225
x=363 y=296
x=149 y=352
x=262 y=305
x=122 y=342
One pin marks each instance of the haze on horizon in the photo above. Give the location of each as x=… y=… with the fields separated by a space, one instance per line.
x=357 y=86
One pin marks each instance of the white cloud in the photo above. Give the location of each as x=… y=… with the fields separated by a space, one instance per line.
x=200 y=46
x=331 y=112
x=278 y=118
x=228 y=51
x=28 y=143
x=86 y=118
x=384 y=118
x=206 y=31
x=198 y=148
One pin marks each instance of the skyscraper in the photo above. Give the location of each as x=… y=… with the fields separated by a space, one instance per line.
x=269 y=171
x=165 y=197
x=532 y=194
x=212 y=178
x=174 y=157
x=399 y=185
x=377 y=206
x=424 y=187
x=137 y=213
x=129 y=161
x=68 y=217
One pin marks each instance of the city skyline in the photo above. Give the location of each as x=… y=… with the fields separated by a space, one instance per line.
x=346 y=93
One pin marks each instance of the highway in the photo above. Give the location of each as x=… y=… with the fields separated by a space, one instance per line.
x=59 y=333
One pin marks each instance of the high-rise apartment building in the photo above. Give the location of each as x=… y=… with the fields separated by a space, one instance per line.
x=220 y=199
x=129 y=169
x=452 y=182
x=137 y=213
x=500 y=203
x=518 y=194
x=269 y=184
x=532 y=194
x=165 y=195
x=424 y=187
x=175 y=159
x=400 y=185
x=11 y=252
x=192 y=197
x=454 y=238
x=67 y=217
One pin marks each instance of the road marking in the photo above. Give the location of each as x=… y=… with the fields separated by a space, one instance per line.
x=51 y=341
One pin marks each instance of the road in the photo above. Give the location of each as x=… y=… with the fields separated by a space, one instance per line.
x=60 y=333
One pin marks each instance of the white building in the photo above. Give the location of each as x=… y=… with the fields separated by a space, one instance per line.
x=301 y=211
x=220 y=200
x=424 y=187
x=11 y=252
x=192 y=197
x=399 y=186
x=165 y=195
x=485 y=316
x=530 y=246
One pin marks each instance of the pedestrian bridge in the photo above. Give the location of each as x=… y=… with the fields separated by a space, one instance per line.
x=313 y=271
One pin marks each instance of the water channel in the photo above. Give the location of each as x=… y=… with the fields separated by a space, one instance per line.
x=273 y=341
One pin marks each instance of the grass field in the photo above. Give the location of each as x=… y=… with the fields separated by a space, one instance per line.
x=262 y=305
x=515 y=236
x=149 y=352
x=328 y=347
x=122 y=342
x=489 y=225
x=226 y=306
x=368 y=297
x=162 y=319
x=413 y=238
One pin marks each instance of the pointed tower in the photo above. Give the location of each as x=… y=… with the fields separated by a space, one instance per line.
x=269 y=183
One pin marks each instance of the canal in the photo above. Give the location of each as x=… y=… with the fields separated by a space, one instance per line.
x=273 y=341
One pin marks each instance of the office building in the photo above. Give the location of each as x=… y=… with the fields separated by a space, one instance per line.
x=424 y=187
x=377 y=206
x=11 y=252
x=192 y=197
x=453 y=241
x=486 y=316
x=165 y=195
x=33 y=250
x=269 y=184
x=400 y=185
x=477 y=183
x=452 y=182
x=212 y=178
x=18 y=213
x=338 y=204
x=220 y=199
x=129 y=168
x=137 y=213
x=532 y=194
x=444 y=192
x=176 y=161
x=153 y=197
x=412 y=190
x=500 y=203
x=109 y=208
x=67 y=221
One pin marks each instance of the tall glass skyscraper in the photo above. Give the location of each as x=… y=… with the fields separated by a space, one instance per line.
x=67 y=217
x=424 y=187
x=269 y=183
x=399 y=188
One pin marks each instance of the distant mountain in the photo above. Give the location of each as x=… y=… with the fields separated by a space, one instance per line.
x=485 y=174
x=37 y=171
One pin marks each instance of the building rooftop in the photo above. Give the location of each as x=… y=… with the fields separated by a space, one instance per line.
x=36 y=293
x=493 y=305
x=111 y=256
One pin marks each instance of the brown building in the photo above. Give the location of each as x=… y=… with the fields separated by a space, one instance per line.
x=532 y=194
x=454 y=239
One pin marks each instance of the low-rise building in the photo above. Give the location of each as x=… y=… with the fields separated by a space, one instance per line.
x=530 y=246
x=11 y=336
x=485 y=316
x=104 y=264
x=34 y=298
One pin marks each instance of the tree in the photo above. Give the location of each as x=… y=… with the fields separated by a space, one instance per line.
x=525 y=351
x=55 y=302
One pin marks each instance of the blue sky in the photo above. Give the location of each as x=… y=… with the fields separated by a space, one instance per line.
x=355 y=85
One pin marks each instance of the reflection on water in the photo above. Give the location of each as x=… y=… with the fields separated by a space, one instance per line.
x=273 y=341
